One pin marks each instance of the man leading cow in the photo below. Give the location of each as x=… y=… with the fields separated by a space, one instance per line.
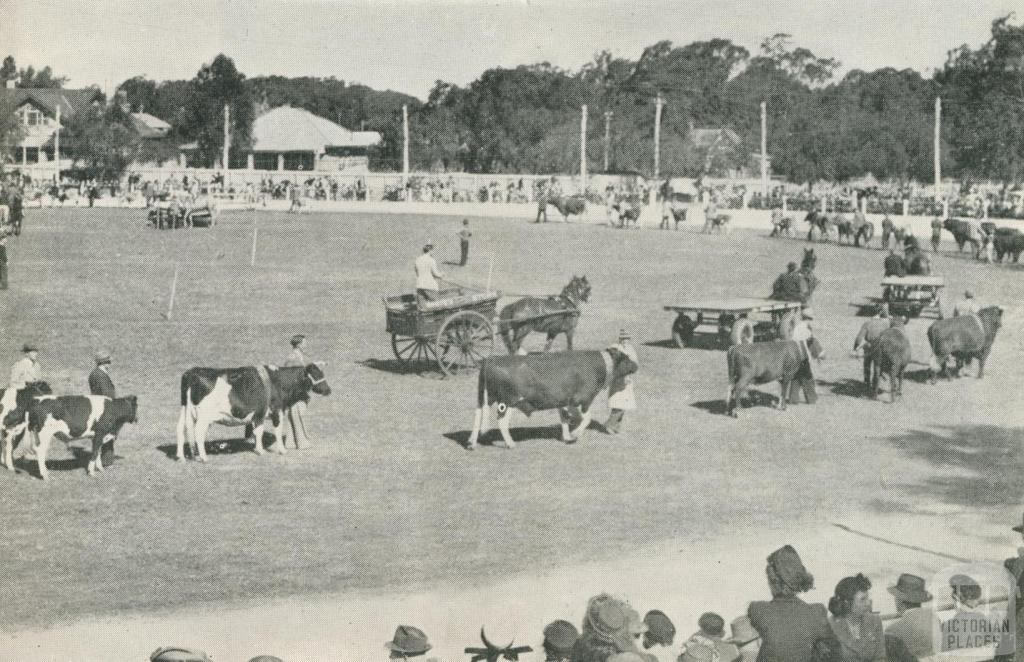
x=869 y=333
x=101 y=384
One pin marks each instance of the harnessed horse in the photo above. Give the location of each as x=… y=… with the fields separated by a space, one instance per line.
x=550 y=315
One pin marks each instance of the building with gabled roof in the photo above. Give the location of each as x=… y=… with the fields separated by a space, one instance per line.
x=39 y=110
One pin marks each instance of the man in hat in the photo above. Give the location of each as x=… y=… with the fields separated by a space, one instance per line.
x=297 y=412
x=869 y=334
x=789 y=627
x=966 y=306
x=789 y=286
x=894 y=265
x=888 y=229
x=100 y=383
x=559 y=638
x=936 y=234
x=916 y=625
x=427 y=274
x=804 y=378
x=620 y=394
x=464 y=235
x=408 y=642
x=6 y=231
x=1015 y=566
x=745 y=638
x=660 y=634
x=27 y=369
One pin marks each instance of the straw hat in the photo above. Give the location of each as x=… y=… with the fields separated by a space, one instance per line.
x=409 y=640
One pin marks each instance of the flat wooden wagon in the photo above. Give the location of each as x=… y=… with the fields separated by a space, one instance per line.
x=734 y=320
x=911 y=296
x=456 y=331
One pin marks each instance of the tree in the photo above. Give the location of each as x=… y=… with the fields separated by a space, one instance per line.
x=140 y=93
x=103 y=141
x=9 y=70
x=201 y=118
x=44 y=78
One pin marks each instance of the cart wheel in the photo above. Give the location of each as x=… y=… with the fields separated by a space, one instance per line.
x=682 y=331
x=410 y=350
x=742 y=332
x=786 y=325
x=465 y=339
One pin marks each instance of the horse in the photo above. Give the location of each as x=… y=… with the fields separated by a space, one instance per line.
x=854 y=229
x=551 y=315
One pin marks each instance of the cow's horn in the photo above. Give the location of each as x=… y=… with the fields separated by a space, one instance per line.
x=488 y=644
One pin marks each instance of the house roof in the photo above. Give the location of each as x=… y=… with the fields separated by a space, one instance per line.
x=149 y=126
x=49 y=99
x=708 y=137
x=287 y=129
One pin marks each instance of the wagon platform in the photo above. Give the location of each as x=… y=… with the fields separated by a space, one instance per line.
x=733 y=320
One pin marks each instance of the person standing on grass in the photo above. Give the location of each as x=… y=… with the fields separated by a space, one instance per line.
x=5 y=232
x=620 y=394
x=464 y=235
x=936 y=234
x=297 y=412
x=427 y=274
x=27 y=370
x=101 y=384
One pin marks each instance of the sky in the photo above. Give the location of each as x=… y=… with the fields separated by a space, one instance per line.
x=406 y=46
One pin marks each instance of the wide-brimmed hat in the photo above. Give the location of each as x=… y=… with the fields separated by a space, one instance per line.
x=607 y=616
x=790 y=569
x=807 y=313
x=178 y=654
x=560 y=636
x=968 y=294
x=742 y=632
x=408 y=640
x=102 y=356
x=1020 y=527
x=29 y=347
x=910 y=588
x=429 y=244
x=266 y=658
x=297 y=338
x=660 y=628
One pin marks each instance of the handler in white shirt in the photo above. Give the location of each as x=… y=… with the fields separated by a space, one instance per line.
x=427 y=274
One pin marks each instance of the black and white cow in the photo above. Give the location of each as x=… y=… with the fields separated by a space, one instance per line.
x=241 y=396
x=77 y=416
x=14 y=406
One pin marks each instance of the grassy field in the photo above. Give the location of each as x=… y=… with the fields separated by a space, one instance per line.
x=388 y=496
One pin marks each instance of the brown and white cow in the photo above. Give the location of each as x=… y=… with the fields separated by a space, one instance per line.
x=77 y=416
x=567 y=381
x=242 y=396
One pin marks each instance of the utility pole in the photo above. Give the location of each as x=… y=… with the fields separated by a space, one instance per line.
x=764 y=149
x=657 y=136
x=583 y=148
x=227 y=141
x=56 y=148
x=607 y=137
x=405 y=144
x=938 y=147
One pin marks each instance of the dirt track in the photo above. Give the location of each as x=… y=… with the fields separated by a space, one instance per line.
x=388 y=500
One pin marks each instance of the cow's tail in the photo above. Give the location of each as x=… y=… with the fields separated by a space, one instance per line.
x=480 y=422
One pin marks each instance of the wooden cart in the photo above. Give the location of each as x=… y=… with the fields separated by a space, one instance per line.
x=741 y=319
x=456 y=331
x=912 y=296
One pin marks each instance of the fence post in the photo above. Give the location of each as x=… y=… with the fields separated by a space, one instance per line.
x=824 y=204
x=906 y=207
x=785 y=204
x=945 y=208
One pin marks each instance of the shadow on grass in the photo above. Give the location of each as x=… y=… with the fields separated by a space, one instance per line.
x=425 y=369
x=219 y=446
x=979 y=465
x=754 y=398
x=850 y=388
x=663 y=344
x=519 y=434
x=702 y=341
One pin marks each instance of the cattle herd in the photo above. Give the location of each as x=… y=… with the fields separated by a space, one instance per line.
x=568 y=381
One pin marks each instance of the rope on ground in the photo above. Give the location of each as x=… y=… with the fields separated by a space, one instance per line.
x=904 y=546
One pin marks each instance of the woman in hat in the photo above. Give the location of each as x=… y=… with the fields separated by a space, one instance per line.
x=790 y=628
x=559 y=639
x=858 y=629
x=620 y=395
x=297 y=412
x=606 y=631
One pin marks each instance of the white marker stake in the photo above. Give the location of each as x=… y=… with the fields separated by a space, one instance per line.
x=490 y=270
x=252 y=256
x=174 y=290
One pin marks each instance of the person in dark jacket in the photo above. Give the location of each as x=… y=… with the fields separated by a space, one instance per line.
x=895 y=265
x=100 y=383
x=791 y=630
x=789 y=286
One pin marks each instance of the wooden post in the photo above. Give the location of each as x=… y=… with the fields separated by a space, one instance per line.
x=405 y=144
x=938 y=146
x=657 y=136
x=583 y=149
x=174 y=291
x=607 y=137
x=252 y=254
x=490 y=270
x=227 y=142
x=764 y=149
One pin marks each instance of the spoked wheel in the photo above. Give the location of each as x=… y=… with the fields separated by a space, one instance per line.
x=465 y=339
x=682 y=331
x=410 y=350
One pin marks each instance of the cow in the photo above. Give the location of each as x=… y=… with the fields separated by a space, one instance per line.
x=568 y=206
x=242 y=396
x=963 y=232
x=964 y=338
x=567 y=381
x=1008 y=242
x=14 y=406
x=760 y=363
x=77 y=416
x=890 y=354
x=629 y=212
